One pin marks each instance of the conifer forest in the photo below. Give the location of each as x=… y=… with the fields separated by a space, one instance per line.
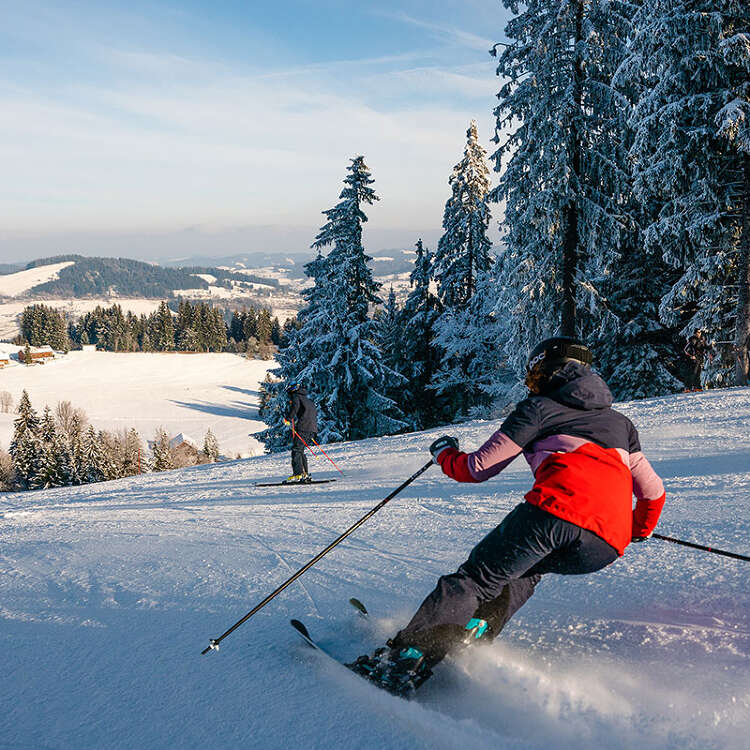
x=621 y=162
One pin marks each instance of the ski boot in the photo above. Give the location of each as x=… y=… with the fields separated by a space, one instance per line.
x=475 y=630
x=294 y=479
x=398 y=671
x=306 y=478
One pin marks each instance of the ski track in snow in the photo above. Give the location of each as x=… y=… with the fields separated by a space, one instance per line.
x=109 y=592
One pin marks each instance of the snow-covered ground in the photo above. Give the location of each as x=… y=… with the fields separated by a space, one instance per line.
x=181 y=392
x=15 y=284
x=108 y=594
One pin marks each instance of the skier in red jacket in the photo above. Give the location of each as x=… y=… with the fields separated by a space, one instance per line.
x=578 y=517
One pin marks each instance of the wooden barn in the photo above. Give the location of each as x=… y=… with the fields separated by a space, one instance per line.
x=37 y=354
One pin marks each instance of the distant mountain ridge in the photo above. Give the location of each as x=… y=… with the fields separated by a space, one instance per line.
x=384 y=262
x=89 y=277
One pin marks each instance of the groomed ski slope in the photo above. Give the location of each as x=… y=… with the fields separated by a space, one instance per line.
x=108 y=594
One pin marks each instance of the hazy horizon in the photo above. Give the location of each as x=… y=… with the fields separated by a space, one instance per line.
x=229 y=128
x=171 y=247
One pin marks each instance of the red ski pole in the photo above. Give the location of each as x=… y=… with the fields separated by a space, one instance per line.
x=294 y=432
x=327 y=456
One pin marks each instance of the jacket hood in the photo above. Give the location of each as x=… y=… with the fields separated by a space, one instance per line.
x=577 y=385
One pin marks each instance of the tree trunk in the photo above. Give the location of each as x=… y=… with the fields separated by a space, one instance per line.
x=570 y=254
x=742 y=328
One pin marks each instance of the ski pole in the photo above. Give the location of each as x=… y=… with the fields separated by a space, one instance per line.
x=700 y=546
x=294 y=432
x=327 y=456
x=213 y=643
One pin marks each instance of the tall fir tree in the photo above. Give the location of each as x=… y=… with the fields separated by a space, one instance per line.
x=463 y=252
x=26 y=447
x=93 y=465
x=640 y=358
x=557 y=131
x=47 y=429
x=343 y=365
x=692 y=167
x=460 y=267
x=75 y=439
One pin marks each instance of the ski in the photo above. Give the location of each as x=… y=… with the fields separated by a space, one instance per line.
x=405 y=689
x=295 y=484
x=357 y=604
x=303 y=632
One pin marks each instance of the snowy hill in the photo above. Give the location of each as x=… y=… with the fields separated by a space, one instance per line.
x=17 y=284
x=109 y=592
x=177 y=391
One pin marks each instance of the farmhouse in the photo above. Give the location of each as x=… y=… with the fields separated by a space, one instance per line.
x=37 y=354
x=185 y=448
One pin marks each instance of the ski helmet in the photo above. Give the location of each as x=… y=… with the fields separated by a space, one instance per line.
x=556 y=351
x=548 y=356
x=293 y=386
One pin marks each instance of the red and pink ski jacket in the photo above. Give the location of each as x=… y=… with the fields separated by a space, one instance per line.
x=586 y=459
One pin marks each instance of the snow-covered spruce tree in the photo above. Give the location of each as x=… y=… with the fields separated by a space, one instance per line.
x=640 y=359
x=56 y=468
x=211 y=447
x=163 y=458
x=463 y=252
x=132 y=453
x=47 y=427
x=93 y=461
x=74 y=433
x=342 y=364
x=473 y=369
x=556 y=129
x=421 y=356
x=691 y=167
x=388 y=335
x=162 y=328
x=25 y=446
x=460 y=265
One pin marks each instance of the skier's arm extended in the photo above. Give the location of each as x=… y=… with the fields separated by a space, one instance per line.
x=482 y=464
x=519 y=429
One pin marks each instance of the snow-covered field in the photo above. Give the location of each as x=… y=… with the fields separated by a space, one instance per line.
x=185 y=393
x=109 y=592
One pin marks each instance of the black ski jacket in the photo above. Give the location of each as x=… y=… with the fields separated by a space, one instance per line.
x=302 y=412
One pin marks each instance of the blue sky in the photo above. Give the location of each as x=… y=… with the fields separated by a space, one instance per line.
x=159 y=129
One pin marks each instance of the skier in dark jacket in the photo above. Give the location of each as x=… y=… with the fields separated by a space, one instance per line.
x=695 y=350
x=302 y=417
x=577 y=518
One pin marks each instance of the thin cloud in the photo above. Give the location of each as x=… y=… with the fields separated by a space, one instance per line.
x=449 y=33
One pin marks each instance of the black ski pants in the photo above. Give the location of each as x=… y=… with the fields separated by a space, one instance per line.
x=694 y=374
x=500 y=575
x=299 y=457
